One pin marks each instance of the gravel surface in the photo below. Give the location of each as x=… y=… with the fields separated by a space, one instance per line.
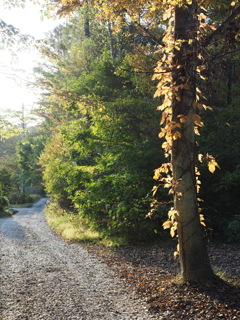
x=45 y=277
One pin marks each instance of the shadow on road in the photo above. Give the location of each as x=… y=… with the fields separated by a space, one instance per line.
x=10 y=228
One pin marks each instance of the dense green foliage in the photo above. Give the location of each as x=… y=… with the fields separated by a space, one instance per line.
x=101 y=133
x=4 y=203
x=20 y=174
x=5 y=182
x=104 y=145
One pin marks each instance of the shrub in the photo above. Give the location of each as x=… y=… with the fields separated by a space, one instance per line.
x=4 y=203
x=20 y=198
x=233 y=229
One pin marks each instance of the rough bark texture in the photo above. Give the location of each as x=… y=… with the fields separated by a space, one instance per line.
x=194 y=261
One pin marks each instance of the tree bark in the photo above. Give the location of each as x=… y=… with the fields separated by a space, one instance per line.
x=195 y=266
x=87 y=32
x=111 y=42
x=230 y=80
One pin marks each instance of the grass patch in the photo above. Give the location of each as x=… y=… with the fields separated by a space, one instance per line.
x=74 y=228
x=223 y=275
x=22 y=205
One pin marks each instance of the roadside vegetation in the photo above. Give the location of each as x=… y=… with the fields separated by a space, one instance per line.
x=72 y=228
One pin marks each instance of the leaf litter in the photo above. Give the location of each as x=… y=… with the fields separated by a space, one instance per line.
x=152 y=271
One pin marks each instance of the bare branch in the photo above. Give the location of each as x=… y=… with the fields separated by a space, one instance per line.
x=221 y=28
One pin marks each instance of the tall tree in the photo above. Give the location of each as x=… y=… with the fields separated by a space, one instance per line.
x=180 y=105
x=194 y=261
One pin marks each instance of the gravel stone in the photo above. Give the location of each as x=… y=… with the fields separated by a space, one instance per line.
x=45 y=277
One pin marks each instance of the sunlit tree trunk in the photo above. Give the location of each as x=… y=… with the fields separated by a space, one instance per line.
x=111 y=42
x=194 y=260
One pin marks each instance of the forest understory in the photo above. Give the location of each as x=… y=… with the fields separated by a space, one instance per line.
x=152 y=271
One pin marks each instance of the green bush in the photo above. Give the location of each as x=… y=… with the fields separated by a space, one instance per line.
x=20 y=198
x=4 y=203
x=5 y=182
x=233 y=229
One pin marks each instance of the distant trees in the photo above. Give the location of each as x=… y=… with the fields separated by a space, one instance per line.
x=19 y=154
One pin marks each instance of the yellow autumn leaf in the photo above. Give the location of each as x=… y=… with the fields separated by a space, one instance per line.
x=164 y=168
x=197 y=171
x=200 y=124
x=196 y=131
x=233 y=3
x=158 y=93
x=167 y=224
x=167 y=14
x=154 y=190
x=183 y=119
x=173 y=229
x=211 y=167
x=164 y=145
x=157 y=174
x=212 y=164
x=176 y=135
x=153 y=8
x=200 y=157
x=167 y=185
x=172 y=214
x=172 y=233
x=176 y=254
x=202 y=17
x=207 y=107
x=164 y=116
x=202 y=77
x=165 y=90
x=200 y=68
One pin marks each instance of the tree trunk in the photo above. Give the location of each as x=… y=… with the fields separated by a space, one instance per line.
x=230 y=80
x=111 y=42
x=195 y=266
x=87 y=32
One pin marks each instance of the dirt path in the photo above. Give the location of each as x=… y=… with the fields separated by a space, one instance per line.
x=44 y=277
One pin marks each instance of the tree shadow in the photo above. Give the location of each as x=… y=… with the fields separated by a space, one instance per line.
x=10 y=228
x=222 y=293
x=149 y=256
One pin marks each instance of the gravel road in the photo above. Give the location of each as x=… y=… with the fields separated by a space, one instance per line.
x=45 y=277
